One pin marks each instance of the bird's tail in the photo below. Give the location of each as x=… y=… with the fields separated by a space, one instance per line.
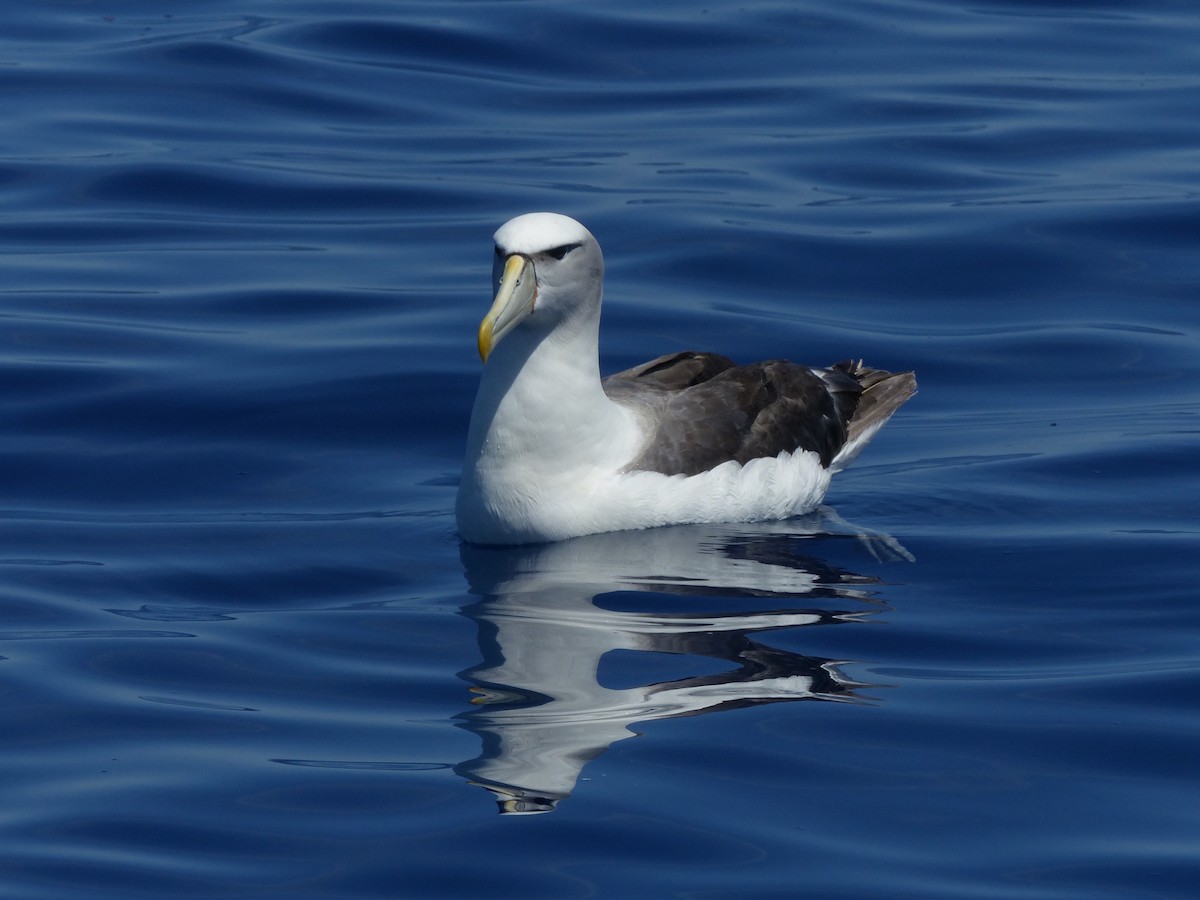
x=882 y=394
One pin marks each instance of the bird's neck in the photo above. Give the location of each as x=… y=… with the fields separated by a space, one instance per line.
x=540 y=399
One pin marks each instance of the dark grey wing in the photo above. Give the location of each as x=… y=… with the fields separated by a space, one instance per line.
x=674 y=371
x=803 y=409
x=742 y=413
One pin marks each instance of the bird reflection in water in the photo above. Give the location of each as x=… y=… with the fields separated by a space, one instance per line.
x=550 y=613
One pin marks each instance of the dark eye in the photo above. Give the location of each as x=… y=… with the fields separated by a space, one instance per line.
x=560 y=252
x=499 y=252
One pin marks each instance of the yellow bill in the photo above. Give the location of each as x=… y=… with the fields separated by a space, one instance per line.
x=514 y=301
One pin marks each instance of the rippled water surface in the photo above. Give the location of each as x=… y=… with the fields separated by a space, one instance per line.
x=244 y=251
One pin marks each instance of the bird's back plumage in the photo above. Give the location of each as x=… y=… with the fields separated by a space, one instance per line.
x=708 y=410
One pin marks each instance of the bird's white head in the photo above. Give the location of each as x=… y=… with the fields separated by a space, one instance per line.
x=547 y=266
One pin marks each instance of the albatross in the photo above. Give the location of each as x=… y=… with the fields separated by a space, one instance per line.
x=554 y=451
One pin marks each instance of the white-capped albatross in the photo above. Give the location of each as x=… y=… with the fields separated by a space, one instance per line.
x=555 y=452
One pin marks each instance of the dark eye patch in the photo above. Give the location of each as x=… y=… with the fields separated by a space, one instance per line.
x=560 y=252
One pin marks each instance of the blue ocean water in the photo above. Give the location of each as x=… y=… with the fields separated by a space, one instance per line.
x=245 y=247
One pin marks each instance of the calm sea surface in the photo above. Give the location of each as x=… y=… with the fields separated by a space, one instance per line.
x=244 y=247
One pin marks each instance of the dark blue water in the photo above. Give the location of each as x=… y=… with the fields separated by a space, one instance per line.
x=244 y=251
